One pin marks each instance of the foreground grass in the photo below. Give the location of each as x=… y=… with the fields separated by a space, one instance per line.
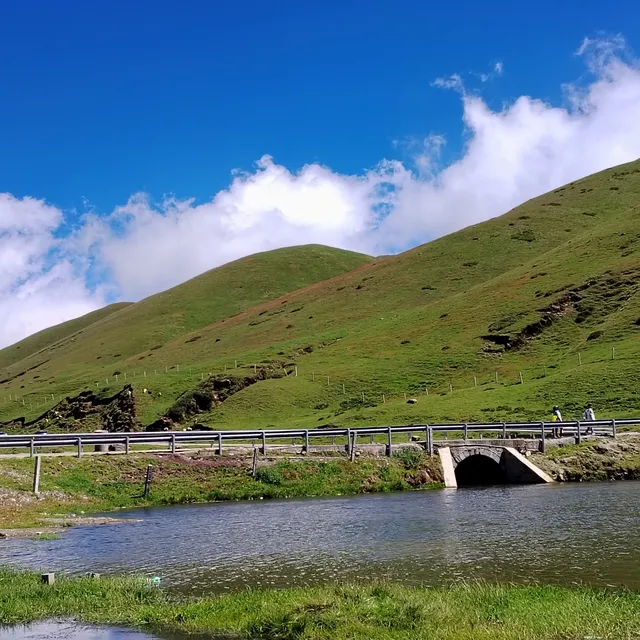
x=461 y=612
x=105 y=483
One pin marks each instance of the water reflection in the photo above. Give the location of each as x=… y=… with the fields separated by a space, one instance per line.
x=560 y=534
x=56 y=630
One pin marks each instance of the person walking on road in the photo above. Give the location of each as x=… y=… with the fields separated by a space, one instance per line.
x=557 y=417
x=589 y=416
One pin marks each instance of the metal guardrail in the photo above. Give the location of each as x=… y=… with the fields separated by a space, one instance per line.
x=538 y=430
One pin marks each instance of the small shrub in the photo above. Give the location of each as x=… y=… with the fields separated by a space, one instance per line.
x=269 y=475
x=525 y=236
x=321 y=406
x=411 y=458
x=406 y=342
x=472 y=263
x=594 y=336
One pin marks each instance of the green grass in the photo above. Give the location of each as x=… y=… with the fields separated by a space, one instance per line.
x=105 y=483
x=563 y=269
x=336 y=612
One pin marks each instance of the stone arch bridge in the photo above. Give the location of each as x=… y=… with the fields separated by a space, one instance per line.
x=474 y=465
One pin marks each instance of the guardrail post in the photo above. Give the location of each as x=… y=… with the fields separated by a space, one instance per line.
x=32 y=447
x=306 y=441
x=264 y=444
x=504 y=430
x=173 y=443
x=219 y=443
x=466 y=427
x=430 y=438
x=579 y=432
x=126 y=445
x=349 y=441
x=543 y=442
x=613 y=429
x=353 y=446
x=389 y=442
x=79 y=447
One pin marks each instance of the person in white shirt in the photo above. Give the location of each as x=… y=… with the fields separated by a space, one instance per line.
x=589 y=416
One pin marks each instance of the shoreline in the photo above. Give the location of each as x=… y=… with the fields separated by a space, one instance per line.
x=338 y=611
x=73 y=489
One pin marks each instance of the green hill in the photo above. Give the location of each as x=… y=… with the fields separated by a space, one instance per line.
x=50 y=336
x=545 y=291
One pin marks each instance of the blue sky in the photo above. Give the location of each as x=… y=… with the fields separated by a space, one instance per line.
x=104 y=99
x=123 y=126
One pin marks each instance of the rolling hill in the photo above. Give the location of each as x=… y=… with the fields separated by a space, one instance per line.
x=498 y=321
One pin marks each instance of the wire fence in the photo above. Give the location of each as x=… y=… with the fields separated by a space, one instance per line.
x=357 y=391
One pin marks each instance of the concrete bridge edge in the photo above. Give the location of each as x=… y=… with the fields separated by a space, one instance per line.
x=537 y=471
x=448 y=469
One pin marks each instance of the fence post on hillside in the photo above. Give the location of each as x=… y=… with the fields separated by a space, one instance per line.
x=389 y=442
x=125 y=377
x=579 y=359
x=384 y=400
x=450 y=388
x=36 y=475
x=327 y=381
x=363 y=396
x=545 y=370
x=613 y=428
x=521 y=380
x=496 y=377
x=343 y=389
x=613 y=352
x=178 y=368
x=235 y=364
x=475 y=381
x=296 y=371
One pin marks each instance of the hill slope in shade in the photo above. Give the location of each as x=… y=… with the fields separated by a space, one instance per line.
x=549 y=285
x=51 y=335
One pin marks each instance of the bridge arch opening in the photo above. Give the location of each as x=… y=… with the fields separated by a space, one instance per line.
x=479 y=470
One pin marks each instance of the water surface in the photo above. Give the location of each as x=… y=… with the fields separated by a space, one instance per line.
x=559 y=534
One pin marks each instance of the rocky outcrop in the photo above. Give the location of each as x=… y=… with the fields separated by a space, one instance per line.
x=84 y=412
x=209 y=394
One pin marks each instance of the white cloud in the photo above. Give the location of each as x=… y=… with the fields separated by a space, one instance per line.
x=38 y=287
x=520 y=151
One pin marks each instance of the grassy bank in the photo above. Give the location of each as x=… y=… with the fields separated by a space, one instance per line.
x=386 y=611
x=105 y=483
x=593 y=460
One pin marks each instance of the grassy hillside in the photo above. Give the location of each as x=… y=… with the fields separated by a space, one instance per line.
x=544 y=291
x=50 y=336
